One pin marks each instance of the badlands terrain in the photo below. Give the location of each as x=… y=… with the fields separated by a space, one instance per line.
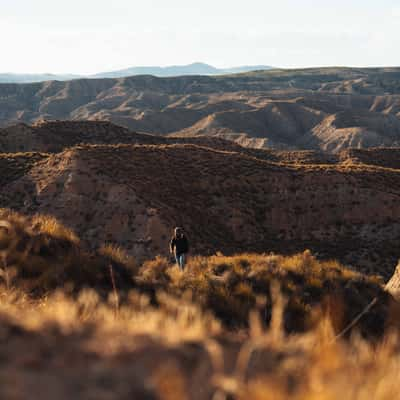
x=293 y=224
x=114 y=186
x=326 y=109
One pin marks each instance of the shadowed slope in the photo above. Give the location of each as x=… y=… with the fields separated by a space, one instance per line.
x=56 y=136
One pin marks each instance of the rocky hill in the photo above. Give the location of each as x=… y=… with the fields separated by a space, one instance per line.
x=321 y=109
x=228 y=201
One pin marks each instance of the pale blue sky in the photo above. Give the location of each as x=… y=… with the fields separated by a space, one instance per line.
x=88 y=36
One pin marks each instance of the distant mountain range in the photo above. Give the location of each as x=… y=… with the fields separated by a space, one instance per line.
x=175 y=70
x=32 y=78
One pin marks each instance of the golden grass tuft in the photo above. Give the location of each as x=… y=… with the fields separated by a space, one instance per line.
x=118 y=255
x=49 y=225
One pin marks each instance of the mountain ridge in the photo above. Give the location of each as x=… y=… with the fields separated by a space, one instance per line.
x=168 y=71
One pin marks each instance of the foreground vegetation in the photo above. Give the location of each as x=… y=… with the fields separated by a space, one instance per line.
x=86 y=348
x=94 y=325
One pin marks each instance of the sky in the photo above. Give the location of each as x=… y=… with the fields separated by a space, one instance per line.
x=89 y=36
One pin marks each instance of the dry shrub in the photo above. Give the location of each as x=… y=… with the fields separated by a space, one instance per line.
x=230 y=286
x=50 y=226
x=154 y=272
x=117 y=255
x=40 y=254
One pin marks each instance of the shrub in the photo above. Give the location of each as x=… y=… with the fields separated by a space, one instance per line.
x=45 y=255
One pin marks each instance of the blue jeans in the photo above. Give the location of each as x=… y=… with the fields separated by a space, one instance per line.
x=180 y=260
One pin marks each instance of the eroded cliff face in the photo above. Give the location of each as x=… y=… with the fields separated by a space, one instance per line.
x=227 y=201
x=346 y=213
x=91 y=203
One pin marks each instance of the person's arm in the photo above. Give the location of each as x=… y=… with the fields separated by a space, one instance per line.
x=172 y=245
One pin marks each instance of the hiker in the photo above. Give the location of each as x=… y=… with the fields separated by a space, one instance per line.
x=179 y=246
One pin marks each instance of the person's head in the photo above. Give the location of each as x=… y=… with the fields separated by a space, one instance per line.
x=178 y=231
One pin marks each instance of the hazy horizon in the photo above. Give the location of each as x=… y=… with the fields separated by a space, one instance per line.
x=95 y=36
x=271 y=67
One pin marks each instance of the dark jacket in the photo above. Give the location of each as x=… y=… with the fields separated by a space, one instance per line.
x=179 y=245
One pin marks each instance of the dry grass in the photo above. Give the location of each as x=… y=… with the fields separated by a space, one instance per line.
x=41 y=254
x=232 y=286
x=63 y=346
x=251 y=326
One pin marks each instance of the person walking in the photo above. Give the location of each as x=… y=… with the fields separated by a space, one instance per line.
x=179 y=246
